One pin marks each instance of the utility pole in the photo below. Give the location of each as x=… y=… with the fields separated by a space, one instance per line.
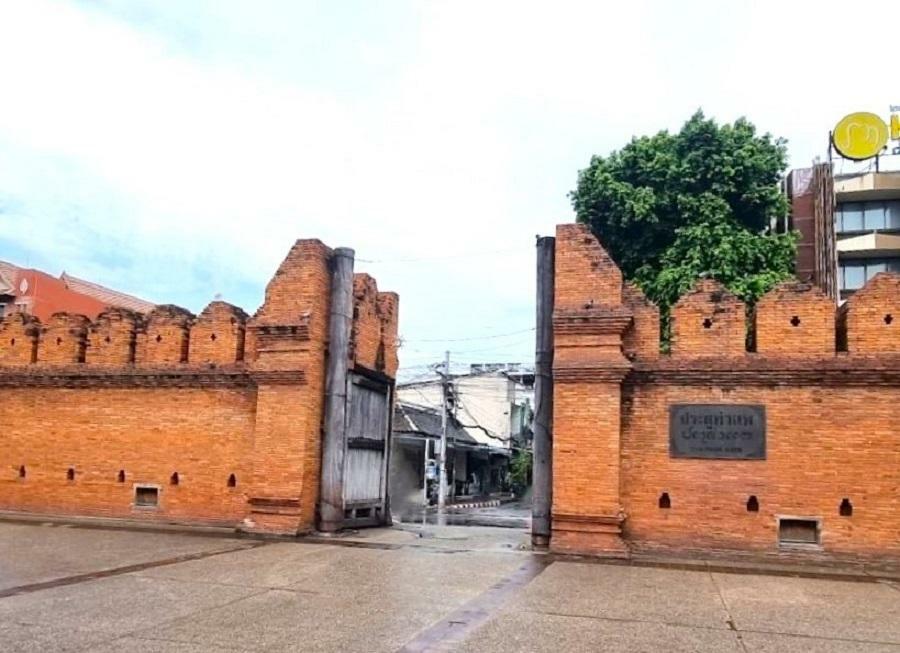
x=445 y=397
x=542 y=471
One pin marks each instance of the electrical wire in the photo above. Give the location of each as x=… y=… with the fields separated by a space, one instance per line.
x=487 y=337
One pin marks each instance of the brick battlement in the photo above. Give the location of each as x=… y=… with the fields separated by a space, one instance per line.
x=219 y=413
x=171 y=336
x=792 y=320
x=827 y=382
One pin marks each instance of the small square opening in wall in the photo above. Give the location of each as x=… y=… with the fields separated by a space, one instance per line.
x=797 y=530
x=146 y=496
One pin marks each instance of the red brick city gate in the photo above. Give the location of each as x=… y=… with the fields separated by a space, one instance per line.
x=213 y=419
x=655 y=451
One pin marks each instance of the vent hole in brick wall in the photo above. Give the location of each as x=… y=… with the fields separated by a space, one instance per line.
x=70 y=474
x=798 y=531
x=232 y=480
x=212 y=336
x=12 y=341
x=121 y=477
x=752 y=504
x=846 y=509
x=174 y=479
x=106 y=339
x=146 y=496
x=664 y=501
x=707 y=323
x=59 y=341
x=158 y=338
x=21 y=471
x=888 y=318
x=795 y=321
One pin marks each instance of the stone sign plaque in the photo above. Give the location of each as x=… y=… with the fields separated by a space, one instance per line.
x=734 y=431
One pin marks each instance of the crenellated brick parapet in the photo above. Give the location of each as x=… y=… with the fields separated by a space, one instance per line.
x=795 y=320
x=388 y=309
x=373 y=340
x=63 y=340
x=869 y=322
x=19 y=339
x=164 y=335
x=365 y=338
x=112 y=338
x=708 y=321
x=218 y=416
x=825 y=382
x=585 y=273
x=217 y=335
x=641 y=340
x=792 y=320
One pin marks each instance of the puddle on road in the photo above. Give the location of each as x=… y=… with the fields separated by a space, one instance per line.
x=432 y=518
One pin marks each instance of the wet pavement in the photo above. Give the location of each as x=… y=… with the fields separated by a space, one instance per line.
x=511 y=514
x=410 y=588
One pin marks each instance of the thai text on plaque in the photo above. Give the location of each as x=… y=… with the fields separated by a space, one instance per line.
x=732 y=431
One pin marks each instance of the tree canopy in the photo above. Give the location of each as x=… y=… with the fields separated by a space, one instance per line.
x=671 y=208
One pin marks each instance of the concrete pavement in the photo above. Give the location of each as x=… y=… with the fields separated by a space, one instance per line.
x=410 y=589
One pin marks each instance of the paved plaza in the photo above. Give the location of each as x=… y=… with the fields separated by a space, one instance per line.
x=427 y=588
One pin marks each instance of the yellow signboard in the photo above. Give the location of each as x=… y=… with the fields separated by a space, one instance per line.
x=860 y=135
x=895 y=127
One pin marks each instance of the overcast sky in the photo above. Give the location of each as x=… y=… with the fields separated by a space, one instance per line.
x=175 y=149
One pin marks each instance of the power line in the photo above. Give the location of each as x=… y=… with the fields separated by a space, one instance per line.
x=500 y=349
x=496 y=335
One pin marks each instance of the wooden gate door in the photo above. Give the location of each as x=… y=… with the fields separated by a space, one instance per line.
x=368 y=450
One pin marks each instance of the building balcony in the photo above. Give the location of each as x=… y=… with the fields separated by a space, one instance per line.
x=867 y=186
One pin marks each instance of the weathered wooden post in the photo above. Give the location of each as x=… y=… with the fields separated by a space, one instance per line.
x=542 y=473
x=331 y=494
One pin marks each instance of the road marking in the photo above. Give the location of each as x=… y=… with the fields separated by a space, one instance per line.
x=450 y=631
x=118 y=571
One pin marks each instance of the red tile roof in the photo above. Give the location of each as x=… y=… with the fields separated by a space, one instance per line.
x=106 y=295
x=43 y=295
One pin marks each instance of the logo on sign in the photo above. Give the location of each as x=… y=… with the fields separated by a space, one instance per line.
x=861 y=135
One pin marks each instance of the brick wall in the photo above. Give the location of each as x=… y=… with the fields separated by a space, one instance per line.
x=708 y=321
x=220 y=413
x=217 y=336
x=112 y=338
x=867 y=322
x=64 y=339
x=366 y=335
x=831 y=415
x=19 y=339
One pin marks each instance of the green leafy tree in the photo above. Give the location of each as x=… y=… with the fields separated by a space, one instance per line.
x=671 y=208
x=520 y=470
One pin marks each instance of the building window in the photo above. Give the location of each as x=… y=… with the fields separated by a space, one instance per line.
x=850 y=217
x=892 y=215
x=853 y=274
x=867 y=216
